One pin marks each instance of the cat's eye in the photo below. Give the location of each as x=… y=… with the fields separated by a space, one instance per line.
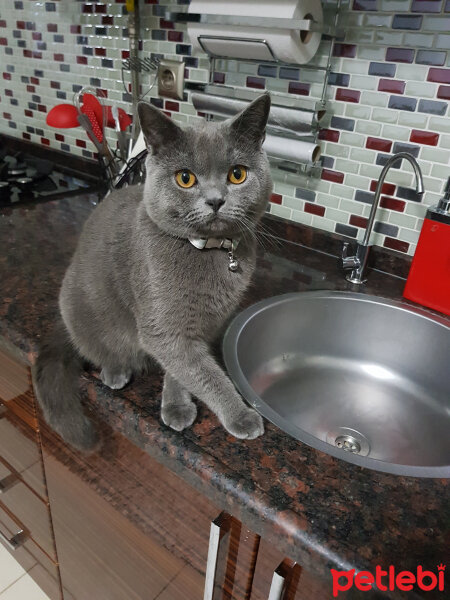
x=237 y=174
x=185 y=178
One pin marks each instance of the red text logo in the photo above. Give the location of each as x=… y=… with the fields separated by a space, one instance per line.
x=388 y=580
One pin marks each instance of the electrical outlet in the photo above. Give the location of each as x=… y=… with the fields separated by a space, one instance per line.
x=171 y=79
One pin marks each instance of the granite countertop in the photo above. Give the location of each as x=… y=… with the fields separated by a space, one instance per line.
x=321 y=511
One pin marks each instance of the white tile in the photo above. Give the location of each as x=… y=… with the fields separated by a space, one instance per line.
x=10 y=570
x=24 y=589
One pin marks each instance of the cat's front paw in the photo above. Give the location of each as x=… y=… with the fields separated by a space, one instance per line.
x=246 y=425
x=115 y=381
x=179 y=416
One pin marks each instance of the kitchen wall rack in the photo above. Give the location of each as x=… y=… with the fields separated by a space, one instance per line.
x=330 y=30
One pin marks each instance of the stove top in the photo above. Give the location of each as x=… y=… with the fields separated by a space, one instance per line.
x=25 y=178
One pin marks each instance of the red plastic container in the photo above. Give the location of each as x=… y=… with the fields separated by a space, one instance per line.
x=429 y=277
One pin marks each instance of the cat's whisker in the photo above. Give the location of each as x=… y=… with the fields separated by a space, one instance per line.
x=266 y=230
x=260 y=236
x=246 y=228
x=265 y=233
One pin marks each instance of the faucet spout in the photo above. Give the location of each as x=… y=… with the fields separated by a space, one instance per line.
x=391 y=161
x=359 y=261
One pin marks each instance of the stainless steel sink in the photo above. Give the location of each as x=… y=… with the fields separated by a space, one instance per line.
x=359 y=377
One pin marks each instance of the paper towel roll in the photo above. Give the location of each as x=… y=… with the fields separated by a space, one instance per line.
x=262 y=43
x=296 y=151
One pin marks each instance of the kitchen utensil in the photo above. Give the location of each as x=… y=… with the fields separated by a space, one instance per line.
x=85 y=122
x=124 y=119
x=92 y=116
x=90 y=124
x=121 y=138
x=95 y=124
x=63 y=116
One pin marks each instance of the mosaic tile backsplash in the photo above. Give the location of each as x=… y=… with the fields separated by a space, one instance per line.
x=388 y=92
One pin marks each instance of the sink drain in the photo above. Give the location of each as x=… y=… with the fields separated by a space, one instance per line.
x=349 y=440
x=348 y=443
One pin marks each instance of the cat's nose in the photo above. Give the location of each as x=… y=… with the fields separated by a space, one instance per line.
x=215 y=203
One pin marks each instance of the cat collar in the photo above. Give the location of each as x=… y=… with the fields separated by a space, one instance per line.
x=224 y=243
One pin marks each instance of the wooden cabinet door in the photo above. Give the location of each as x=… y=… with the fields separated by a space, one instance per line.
x=101 y=554
x=25 y=520
x=126 y=528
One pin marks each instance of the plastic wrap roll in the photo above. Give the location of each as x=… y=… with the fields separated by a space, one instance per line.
x=297 y=151
x=297 y=120
x=259 y=43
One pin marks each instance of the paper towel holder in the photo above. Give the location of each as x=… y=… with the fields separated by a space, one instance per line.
x=303 y=25
x=263 y=45
x=243 y=48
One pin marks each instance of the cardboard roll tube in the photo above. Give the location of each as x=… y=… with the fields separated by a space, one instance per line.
x=296 y=151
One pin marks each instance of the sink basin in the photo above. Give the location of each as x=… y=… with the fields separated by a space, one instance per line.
x=364 y=379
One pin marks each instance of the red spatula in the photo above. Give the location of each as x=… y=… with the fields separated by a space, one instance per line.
x=92 y=102
x=96 y=127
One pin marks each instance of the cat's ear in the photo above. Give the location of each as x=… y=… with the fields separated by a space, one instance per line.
x=158 y=129
x=250 y=124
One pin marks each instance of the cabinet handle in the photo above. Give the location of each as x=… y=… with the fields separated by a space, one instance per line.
x=17 y=539
x=237 y=548
x=3 y=410
x=219 y=527
x=7 y=482
x=285 y=580
x=14 y=542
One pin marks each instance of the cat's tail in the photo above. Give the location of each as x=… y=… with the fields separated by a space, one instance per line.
x=56 y=384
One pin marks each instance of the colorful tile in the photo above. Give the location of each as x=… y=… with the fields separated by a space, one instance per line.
x=401 y=55
x=393 y=86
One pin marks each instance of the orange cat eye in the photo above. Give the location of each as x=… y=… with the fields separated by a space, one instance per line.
x=185 y=178
x=237 y=174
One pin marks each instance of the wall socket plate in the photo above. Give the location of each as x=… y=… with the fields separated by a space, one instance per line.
x=171 y=79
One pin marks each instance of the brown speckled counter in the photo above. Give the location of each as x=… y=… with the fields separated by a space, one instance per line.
x=316 y=509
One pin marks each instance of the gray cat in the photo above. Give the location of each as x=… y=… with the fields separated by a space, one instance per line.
x=140 y=285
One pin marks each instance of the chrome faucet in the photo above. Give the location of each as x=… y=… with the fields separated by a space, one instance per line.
x=357 y=263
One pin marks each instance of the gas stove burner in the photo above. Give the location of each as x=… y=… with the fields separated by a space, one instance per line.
x=17 y=170
x=25 y=178
x=14 y=166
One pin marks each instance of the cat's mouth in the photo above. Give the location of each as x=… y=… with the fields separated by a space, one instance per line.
x=218 y=224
